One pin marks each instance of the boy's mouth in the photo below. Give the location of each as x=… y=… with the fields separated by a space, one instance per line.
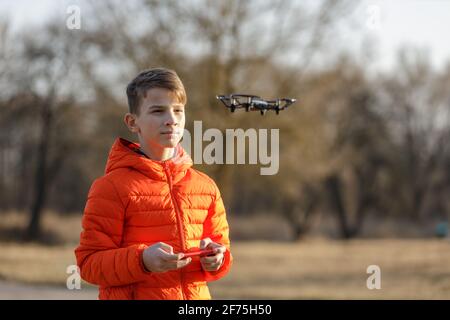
x=170 y=132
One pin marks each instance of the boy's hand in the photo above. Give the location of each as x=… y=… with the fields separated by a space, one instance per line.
x=212 y=263
x=160 y=258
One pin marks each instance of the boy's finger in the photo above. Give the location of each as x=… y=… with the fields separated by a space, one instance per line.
x=211 y=266
x=205 y=242
x=213 y=259
x=172 y=265
x=166 y=247
x=170 y=256
x=183 y=263
x=220 y=249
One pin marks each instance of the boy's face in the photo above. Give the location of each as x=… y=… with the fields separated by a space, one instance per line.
x=161 y=119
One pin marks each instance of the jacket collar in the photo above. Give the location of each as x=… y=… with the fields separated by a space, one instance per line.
x=123 y=155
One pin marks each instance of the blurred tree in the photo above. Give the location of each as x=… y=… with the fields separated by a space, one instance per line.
x=416 y=102
x=216 y=47
x=340 y=163
x=38 y=77
x=352 y=146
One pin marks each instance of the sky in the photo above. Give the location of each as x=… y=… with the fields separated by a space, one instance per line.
x=417 y=23
x=391 y=24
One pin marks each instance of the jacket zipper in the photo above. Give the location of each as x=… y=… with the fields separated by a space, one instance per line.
x=180 y=229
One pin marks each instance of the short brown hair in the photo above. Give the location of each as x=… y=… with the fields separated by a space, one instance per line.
x=154 y=78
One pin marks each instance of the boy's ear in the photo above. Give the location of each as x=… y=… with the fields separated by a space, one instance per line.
x=130 y=121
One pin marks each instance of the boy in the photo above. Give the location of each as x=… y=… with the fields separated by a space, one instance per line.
x=151 y=207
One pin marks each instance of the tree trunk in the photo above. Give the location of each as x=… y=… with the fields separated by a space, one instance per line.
x=298 y=216
x=41 y=181
x=335 y=196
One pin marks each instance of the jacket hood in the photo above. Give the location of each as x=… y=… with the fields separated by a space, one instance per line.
x=123 y=155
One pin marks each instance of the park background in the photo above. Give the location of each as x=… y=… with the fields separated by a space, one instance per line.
x=364 y=173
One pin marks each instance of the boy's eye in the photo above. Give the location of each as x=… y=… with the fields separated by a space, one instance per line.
x=178 y=110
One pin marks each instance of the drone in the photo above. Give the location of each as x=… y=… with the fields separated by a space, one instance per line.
x=254 y=103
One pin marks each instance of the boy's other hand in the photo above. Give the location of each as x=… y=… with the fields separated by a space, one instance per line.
x=160 y=258
x=213 y=262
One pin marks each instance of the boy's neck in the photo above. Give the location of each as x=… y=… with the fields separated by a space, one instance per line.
x=161 y=154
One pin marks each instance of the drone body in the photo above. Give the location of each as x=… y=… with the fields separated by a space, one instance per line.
x=254 y=103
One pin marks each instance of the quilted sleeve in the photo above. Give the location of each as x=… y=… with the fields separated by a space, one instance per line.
x=216 y=227
x=99 y=256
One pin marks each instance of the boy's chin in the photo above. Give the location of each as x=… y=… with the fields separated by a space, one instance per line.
x=169 y=144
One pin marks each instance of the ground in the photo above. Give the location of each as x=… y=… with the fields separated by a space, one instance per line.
x=309 y=269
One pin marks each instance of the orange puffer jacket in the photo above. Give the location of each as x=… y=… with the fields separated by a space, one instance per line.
x=139 y=202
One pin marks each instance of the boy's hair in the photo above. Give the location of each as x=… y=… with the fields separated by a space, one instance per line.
x=154 y=78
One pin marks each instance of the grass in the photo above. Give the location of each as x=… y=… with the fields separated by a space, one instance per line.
x=314 y=268
x=317 y=269
x=56 y=229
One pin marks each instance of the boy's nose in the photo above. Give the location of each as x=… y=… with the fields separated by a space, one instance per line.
x=171 y=119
